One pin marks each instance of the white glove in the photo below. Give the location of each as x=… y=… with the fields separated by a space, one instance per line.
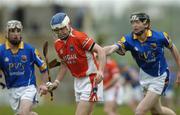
x=49 y=85
x=52 y=86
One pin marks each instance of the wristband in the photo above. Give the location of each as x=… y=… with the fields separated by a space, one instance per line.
x=57 y=82
x=119 y=46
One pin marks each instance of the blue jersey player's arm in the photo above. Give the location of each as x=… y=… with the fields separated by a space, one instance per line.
x=41 y=65
x=119 y=47
x=43 y=69
x=39 y=61
x=174 y=51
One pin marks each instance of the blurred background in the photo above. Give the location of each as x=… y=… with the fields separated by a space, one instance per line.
x=103 y=20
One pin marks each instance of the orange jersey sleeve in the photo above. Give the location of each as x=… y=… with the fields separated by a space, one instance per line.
x=86 y=42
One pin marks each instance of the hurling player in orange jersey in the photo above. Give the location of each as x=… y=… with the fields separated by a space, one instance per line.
x=75 y=50
x=111 y=87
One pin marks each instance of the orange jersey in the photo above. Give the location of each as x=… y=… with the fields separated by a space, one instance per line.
x=111 y=68
x=75 y=53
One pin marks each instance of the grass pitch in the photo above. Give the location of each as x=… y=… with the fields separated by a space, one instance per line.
x=52 y=109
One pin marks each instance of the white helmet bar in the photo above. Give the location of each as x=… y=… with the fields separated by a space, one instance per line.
x=64 y=23
x=14 y=24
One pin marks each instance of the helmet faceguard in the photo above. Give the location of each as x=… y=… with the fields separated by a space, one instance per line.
x=11 y=26
x=143 y=17
x=58 y=22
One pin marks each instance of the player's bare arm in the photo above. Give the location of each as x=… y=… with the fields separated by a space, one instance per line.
x=44 y=77
x=62 y=72
x=114 y=48
x=42 y=88
x=110 y=49
x=102 y=61
x=176 y=56
x=59 y=78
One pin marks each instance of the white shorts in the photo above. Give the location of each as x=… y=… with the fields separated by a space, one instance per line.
x=18 y=94
x=157 y=85
x=83 y=89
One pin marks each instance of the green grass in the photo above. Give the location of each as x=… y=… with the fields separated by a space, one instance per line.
x=68 y=110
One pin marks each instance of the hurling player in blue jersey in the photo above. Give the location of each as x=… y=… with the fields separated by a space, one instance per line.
x=17 y=60
x=147 y=48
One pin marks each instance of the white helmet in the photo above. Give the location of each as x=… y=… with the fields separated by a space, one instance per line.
x=14 y=24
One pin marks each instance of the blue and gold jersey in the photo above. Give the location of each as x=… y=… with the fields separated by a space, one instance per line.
x=149 y=54
x=18 y=64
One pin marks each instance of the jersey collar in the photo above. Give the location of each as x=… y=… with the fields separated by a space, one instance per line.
x=148 y=34
x=20 y=46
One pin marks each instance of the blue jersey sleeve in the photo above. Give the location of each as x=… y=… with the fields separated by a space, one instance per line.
x=39 y=61
x=167 y=41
